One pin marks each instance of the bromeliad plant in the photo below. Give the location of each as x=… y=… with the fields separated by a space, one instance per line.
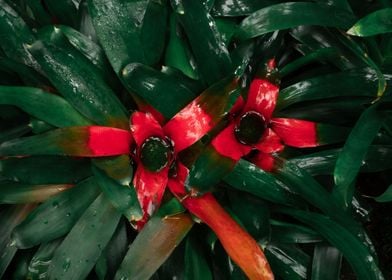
x=193 y=139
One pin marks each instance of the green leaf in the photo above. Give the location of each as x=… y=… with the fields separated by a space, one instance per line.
x=386 y=196
x=56 y=216
x=289 y=15
x=326 y=263
x=77 y=79
x=233 y=8
x=43 y=105
x=63 y=11
x=45 y=170
x=354 y=152
x=375 y=23
x=355 y=251
x=166 y=93
x=74 y=259
x=196 y=265
x=284 y=232
x=248 y=177
x=158 y=238
x=130 y=31
x=10 y=216
x=352 y=83
x=287 y=261
x=114 y=176
x=211 y=54
x=38 y=267
x=15 y=34
x=17 y=193
x=177 y=53
x=315 y=194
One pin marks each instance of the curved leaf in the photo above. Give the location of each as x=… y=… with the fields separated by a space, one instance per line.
x=56 y=216
x=372 y=24
x=386 y=196
x=289 y=15
x=43 y=105
x=74 y=259
x=327 y=261
x=356 y=253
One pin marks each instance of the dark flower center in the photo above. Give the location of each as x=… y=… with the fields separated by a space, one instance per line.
x=250 y=128
x=155 y=153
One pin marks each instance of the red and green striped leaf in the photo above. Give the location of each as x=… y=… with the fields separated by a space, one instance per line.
x=85 y=141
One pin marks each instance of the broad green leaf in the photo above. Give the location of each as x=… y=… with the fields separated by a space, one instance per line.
x=77 y=79
x=159 y=237
x=315 y=194
x=292 y=14
x=130 y=31
x=354 y=152
x=43 y=105
x=10 y=216
x=166 y=93
x=353 y=83
x=38 y=267
x=287 y=261
x=355 y=251
x=378 y=158
x=196 y=264
x=326 y=263
x=17 y=193
x=177 y=53
x=15 y=34
x=284 y=232
x=114 y=252
x=114 y=176
x=56 y=216
x=234 y=8
x=211 y=54
x=249 y=178
x=386 y=196
x=63 y=11
x=83 y=245
x=375 y=23
x=15 y=132
x=45 y=169
x=28 y=75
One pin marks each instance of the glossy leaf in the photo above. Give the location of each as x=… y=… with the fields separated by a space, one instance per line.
x=139 y=30
x=372 y=24
x=15 y=34
x=326 y=263
x=77 y=79
x=284 y=232
x=287 y=261
x=10 y=217
x=43 y=105
x=177 y=53
x=45 y=170
x=247 y=177
x=16 y=193
x=211 y=54
x=74 y=259
x=315 y=194
x=56 y=216
x=63 y=11
x=386 y=196
x=158 y=238
x=41 y=260
x=114 y=176
x=354 y=83
x=289 y=15
x=85 y=141
x=356 y=253
x=166 y=93
x=239 y=7
x=196 y=266
x=354 y=152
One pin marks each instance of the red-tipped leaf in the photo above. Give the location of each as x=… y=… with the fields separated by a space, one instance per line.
x=270 y=143
x=144 y=125
x=296 y=133
x=264 y=161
